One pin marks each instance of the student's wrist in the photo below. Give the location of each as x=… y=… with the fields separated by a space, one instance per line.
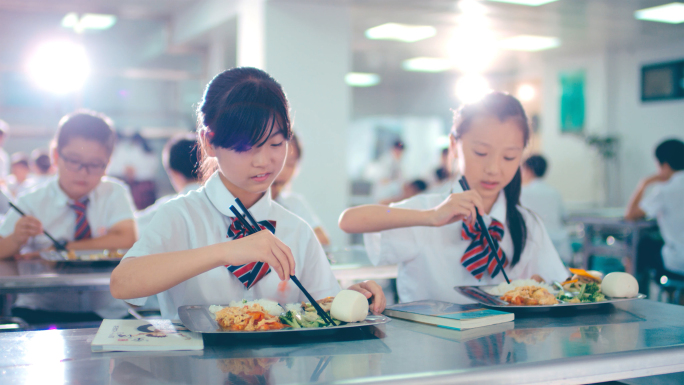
x=16 y=242
x=426 y=217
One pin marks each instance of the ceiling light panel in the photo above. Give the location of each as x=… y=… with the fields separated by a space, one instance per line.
x=427 y=64
x=531 y=3
x=529 y=43
x=362 y=79
x=672 y=13
x=401 y=32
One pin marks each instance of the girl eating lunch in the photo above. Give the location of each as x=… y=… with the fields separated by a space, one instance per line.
x=194 y=252
x=434 y=238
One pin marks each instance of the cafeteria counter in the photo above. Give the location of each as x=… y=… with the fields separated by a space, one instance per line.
x=627 y=340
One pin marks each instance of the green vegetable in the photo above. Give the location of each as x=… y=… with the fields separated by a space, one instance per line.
x=290 y=318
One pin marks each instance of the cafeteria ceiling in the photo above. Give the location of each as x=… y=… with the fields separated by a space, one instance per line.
x=582 y=25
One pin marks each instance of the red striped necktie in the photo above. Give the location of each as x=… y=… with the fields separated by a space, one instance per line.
x=477 y=259
x=249 y=273
x=82 y=230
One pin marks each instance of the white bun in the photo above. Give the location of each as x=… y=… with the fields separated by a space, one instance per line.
x=349 y=306
x=620 y=285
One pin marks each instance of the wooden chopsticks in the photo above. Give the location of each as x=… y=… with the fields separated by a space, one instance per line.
x=254 y=228
x=58 y=245
x=464 y=184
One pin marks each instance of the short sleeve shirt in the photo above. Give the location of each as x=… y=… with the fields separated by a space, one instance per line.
x=300 y=207
x=202 y=218
x=429 y=258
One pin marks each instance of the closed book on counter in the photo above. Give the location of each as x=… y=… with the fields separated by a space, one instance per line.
x=144 y=335
x=448 y=314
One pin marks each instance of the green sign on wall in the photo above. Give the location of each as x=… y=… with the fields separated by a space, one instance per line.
x=572 y=101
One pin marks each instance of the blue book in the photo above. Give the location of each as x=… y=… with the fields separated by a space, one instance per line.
x=448 y=314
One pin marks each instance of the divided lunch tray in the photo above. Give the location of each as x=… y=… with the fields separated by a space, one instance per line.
x=80 y=256
x=199 y=319
x=478 y=294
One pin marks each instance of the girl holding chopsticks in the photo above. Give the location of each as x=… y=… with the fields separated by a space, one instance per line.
x=195 y=251
x=435 y=238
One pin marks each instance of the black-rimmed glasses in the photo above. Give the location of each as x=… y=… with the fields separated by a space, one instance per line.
x=76 y=165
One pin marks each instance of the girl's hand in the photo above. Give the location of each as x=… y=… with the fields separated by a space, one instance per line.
x=456 y=207
x=25 y=228
x=27 y=256
x=262 y=247
x=374 y=292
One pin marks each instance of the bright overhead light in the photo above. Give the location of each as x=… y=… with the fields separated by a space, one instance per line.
x=401 y=32
x=529 y=43
x=526 y=92
x=672 y=13
x=362 y=79
x=427 y=64
x=471 y=88
x=532 y=3
x=59 y=66
x=97 y=21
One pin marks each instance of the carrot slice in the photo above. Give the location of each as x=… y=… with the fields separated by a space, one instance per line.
x=583 y=273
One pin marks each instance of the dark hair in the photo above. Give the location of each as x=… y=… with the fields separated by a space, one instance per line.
x=399 y=145
x=139 y=139
x=671 y=152
x=88 y=125
x=504 y=107
x=181 y=154
x=537 y=164
x=419 y=185
x=442 y=174
x=41 y=159
x=294 y=142
x=240 y=109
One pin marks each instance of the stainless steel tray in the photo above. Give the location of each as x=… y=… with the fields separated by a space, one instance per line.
x=199 y=319
x=81 y=256
x=478 y=294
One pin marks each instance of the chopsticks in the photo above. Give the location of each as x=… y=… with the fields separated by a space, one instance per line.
x=254 y=228
x=58 y=245
x=485 y=231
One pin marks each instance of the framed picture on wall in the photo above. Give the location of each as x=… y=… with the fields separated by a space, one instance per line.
x=663 y=81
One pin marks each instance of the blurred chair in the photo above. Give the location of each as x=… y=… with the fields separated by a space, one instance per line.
x=669 y=284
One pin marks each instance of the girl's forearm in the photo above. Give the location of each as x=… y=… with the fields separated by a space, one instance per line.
x=153 y=274
x=8 y=247
x=633 y=211
x=371 y=218
x=120 y=236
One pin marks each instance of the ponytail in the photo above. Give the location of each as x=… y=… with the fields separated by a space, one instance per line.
x=514 y=219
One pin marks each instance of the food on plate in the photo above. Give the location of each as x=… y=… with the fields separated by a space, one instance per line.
x=248 y=318
x=504 y=287
x=349 y=306
x=583 y=286
x=620 y=285
x=579 y=278
x=529 y=296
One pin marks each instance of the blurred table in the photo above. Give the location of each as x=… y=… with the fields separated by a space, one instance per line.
x=37 y=276
x=632 y=339
x=600 y=222
x=351 y=264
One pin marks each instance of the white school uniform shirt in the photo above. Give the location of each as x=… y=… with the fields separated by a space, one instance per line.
x=547 y=203
x=299 y=206
x=665 y=202
x=429 y=258
x=201 y=218
x=144 y=217
x=4 y=164
x=110 y=203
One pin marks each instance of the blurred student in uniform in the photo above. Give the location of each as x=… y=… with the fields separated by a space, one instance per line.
x=18 y=180
x=386 y=173
x=180 y=160
x=80 y=207
x=281 y=193
x=445 y=176
x=410 y=189
x=665 y=202
x=546 y=202
x=134 y=162
x=41 y=167
x=4 y=157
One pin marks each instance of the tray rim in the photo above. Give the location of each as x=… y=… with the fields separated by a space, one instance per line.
x=82 y=252
x=382 y=319
x=493 y=298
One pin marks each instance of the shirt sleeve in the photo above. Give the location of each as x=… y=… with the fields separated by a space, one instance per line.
x=7 y=225
x=119 y=205
x=317 y=276
x=164 y=234
x=652 y=203
x=396 y=245
x=545 y=260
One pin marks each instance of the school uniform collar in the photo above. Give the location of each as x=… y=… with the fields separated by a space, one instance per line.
x=497 y=212
x=60 y=198
x=190 y=187
x=677 y=175
x=222 y=199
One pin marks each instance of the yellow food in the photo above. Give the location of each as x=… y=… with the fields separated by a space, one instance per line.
x=529 y=296
x=247 y=318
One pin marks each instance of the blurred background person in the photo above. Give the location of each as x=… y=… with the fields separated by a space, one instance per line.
x=180 y=160
x=444 y=176
x=281 y=192
x=4 y=157
x=42 y=168
x=18 y=180
x=409 y=190
x=134 y=162
x=386 y=173
x=547 y=202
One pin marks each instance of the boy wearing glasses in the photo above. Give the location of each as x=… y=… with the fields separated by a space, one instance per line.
x=80 y=207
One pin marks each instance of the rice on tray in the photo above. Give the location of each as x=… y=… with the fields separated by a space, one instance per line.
x=271 y=307
x=504 y=287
